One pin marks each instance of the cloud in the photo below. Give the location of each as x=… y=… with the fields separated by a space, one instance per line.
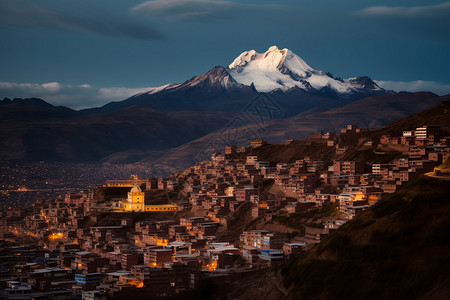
x=431 y=11
x=185 y=10
x=18 y=14
x=416 y=86
x=196 y=10
x=73 y=96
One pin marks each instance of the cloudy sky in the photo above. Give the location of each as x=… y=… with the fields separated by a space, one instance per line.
x=86 y=53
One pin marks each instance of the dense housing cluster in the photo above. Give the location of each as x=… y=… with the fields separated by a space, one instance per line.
x=163 y=236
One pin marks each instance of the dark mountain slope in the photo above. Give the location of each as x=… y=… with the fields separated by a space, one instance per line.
x=398 y=249
x=28 y=101
x=217 y=90
x=213 y=91
x=438 y=115
x=369 y=112
x=90 y=138
x=32 y=110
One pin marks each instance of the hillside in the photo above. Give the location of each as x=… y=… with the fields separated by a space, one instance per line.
x=438 y=115
x=371 y=112
x=37 y=133
x=398 y=249
x=34 y=130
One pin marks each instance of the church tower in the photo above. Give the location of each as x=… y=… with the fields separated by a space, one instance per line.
x=135 y=200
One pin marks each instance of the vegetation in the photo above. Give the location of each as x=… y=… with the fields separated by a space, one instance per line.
x=398 y=249
x=369 y=155
x=238 y=221
x=306 y=218
x=289 y=153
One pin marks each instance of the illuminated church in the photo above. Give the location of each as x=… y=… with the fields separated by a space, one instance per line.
x=135 y=202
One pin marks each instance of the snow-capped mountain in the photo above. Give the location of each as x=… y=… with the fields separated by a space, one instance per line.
x=293 y=84
x=281 y=69
x=217 y=77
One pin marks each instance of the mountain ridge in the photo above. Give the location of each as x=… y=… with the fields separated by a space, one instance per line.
x=282 y=69
x=368 y=112
x=278 y=73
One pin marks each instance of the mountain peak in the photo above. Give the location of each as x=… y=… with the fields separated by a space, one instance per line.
x=26 y=101
x=217 y=76
x=282 y=69
x=273 y=58
x=274 y=69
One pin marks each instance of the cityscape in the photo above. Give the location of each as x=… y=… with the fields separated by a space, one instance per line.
x=222 y=221
x=224 y=150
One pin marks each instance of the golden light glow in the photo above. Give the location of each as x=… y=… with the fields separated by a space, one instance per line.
x=359 y=197
x=162 y=242
x=212 y=266
x=55 y=236
x=137 y=283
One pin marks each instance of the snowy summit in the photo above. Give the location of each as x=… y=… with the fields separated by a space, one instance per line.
x=281 y=69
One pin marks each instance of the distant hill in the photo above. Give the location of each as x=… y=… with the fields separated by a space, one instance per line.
x=372 y=112
x=34 y=133
x=398 y=249
x=438 y=115
x=34 y=130
x=32 y=110
x=28 y=101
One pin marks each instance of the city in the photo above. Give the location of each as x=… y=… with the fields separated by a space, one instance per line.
x=222 y=221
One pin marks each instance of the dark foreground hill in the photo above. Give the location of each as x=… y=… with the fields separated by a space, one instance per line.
x=398 y=249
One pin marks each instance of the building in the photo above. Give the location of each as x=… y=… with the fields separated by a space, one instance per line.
x=90 y=279
x=135 y=200
x=348 y=167
x=425 y=132
x=292 y=249
x=136 y=203
x=231 y=149
x=157 y=257
x=257 y=143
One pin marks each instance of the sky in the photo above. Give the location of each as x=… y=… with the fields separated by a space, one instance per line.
x=86 y=53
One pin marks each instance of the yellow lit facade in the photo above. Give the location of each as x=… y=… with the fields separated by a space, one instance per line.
x=136 y=203
x=360 y=197
x=135 y=200
x=163 y=207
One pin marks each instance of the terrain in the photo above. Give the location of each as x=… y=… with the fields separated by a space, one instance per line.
x=373 y=112
x=395 y=250
x=174 y=114
x=274 y=95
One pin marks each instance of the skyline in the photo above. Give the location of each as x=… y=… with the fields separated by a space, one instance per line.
x=87 y=54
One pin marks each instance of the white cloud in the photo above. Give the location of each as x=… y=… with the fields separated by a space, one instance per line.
x=73 y=96
x=442 y=9
x=197 y=10
x=52 y=87
x=184 y=10
x=416 y=86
